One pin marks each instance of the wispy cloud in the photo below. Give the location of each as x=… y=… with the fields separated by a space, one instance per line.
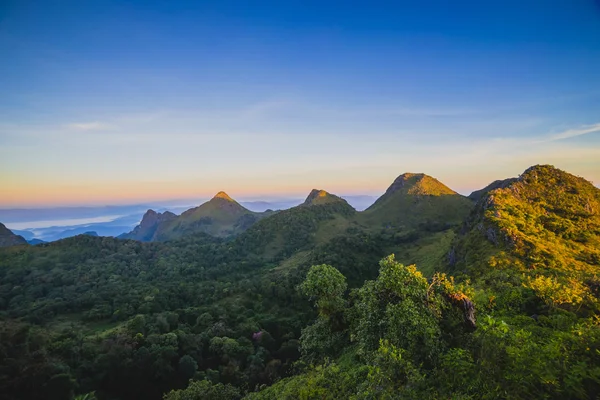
x=431 y=112
x=570 y=133
x=90 y=126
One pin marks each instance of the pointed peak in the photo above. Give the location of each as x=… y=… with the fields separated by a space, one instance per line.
x=223 y=195
x=318 y=196
x=317 y=193
x=152 y=217
x=418 y=183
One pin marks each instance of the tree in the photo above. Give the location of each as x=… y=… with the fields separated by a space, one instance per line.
x=326 y=286
x=187 y=366
x=399 y=308
x=204 y=390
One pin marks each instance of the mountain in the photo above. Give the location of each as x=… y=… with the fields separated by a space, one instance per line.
x=318 y=197
x=127 y=319
x=478 y=194
x=222 y=216
x=418 y=201
x=542 y=230
x=27 y=235
x=321 y=216
x=7 y=238
x=146 y=230
x=34 y=242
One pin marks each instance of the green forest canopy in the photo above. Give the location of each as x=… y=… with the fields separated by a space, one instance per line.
x=502 y=303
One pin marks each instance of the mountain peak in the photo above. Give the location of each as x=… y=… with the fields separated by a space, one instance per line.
x=317 y=196
x=149 y=213
x=418 y=184
x=148 y=225
x=223 y=195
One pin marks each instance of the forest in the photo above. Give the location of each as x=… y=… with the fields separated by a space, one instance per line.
x=427 y=294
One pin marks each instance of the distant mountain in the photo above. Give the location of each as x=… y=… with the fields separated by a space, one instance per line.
x=321 y=216
x=478 y=194
x=418 y=200
x=540 y=232
x=318 y=197
x=34 y=242
x=27 y=235
x=261 y=206
x=222 y=216
x=7 y=238
x=146 y=230
x=360 y=202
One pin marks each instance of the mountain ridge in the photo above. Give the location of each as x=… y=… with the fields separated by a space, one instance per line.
x=8 y=238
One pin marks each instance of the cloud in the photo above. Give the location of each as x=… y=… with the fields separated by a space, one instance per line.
x=570 y=133
x=90 y=126
x=431 y=112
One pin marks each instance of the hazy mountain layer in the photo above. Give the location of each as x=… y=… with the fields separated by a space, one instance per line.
x=7 y=238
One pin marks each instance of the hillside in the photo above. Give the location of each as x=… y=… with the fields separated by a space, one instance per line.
x=543 y=229
x=221 y=216
x=417 y=201
x=527 y=262
x=127 y=319
x=146 y=230
x=478 y=194
x=295 y=229
x=319 y=197
x=7 y=238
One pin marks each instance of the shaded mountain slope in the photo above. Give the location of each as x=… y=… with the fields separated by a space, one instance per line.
x=7 y=238
x=222 y=216
x=294 y=229
x=146 y=230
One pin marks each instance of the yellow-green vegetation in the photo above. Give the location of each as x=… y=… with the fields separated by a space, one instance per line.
x=417 y=201
x=317 y=197
x=206 y=317
x=540 y=233
x=403 y=336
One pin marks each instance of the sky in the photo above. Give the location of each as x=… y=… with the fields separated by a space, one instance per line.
x=106 y=102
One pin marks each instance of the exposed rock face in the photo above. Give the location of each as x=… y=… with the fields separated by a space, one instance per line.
x=7 y=238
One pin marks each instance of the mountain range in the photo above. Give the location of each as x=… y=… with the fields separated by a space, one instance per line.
x=424 y=294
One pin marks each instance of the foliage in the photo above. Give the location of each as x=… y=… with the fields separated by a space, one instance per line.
x=204 y=390
x=326 y=286
x=205 y=317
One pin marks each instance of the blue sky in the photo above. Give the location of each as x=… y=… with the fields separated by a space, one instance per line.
x=116 y=102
